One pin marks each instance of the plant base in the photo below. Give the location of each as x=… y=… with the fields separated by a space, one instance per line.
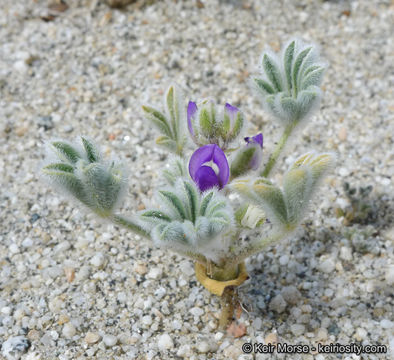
x=226 y=289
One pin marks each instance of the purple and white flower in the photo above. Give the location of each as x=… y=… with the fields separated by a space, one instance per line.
x=257 y=142
x=208 y=167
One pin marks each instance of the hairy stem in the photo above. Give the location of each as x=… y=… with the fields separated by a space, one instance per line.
x=279 y=147
x=228 y=303
x=130 y=225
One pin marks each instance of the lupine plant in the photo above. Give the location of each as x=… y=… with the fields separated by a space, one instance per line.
x=215 y=203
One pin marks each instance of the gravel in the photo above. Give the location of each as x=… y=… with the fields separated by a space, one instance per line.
x=74 y=287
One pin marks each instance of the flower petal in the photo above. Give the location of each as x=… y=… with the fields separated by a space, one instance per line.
x=200 y=156
x=257 y=139
x=206 y=178
x=191 y=112
x=207 y=153
x=219 y=158
x=231 y=110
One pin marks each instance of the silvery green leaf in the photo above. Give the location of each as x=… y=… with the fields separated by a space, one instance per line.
x=66 y=180
x=297 y=185
x=301 y=181
x=241 y=163
x=173 y=107
x=176 y=170
x=173 y=232
x=206 y=199
x=264 y=194
x=264 y=86
x=66 y=152
x=312 y=78
x=92 y=152
x=59 y=167
x=159 y=120
x=290 y=107
x=173 y=203
x=167 y=143
x=103 y=185
x=288 y=63
x=155 y=216
x=189 y=193
x=297 y=66
x=307 y=100
x=272 y=199
x=273 y=73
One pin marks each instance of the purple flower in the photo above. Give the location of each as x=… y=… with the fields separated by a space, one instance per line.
x=231 y=111
x=191 y=113
x=208 y=167
x=256 y=141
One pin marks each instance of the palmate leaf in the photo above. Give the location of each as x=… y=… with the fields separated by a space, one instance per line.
x=286 y=207
x=289 y=84
x=103 y=186
x=301 y=181
x=266 y=195
x=186 y=217
x=169 y=122
x=84 y=176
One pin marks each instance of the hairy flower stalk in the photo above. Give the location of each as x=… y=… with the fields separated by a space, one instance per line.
x=193 y=213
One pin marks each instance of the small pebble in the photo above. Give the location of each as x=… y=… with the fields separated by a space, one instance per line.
x=203 y=347
x=278 y=304
x=327 y=266
x=291 y=294
x=69 y=330
x=98 y=260
x=155 y=273
x=165 y=342
x=196 y=311
x=92 y=338
x=110 y=340
x=297 y=329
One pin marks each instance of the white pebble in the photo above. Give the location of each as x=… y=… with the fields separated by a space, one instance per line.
x=203 y=347
x=278 y=304
x=297 y=329
x=186 y=268
x=386 y=324
x=27 y=242
x=327 y=265
x=155 y=273
x=110 y=340
x=283 y=260
x=196 y=311
x=165 y=342
x=291 y=294
x=346 y=253
x=360 y=334
x=13 y=248
x=147 y=320
x=68 y=330
x=98 y=260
